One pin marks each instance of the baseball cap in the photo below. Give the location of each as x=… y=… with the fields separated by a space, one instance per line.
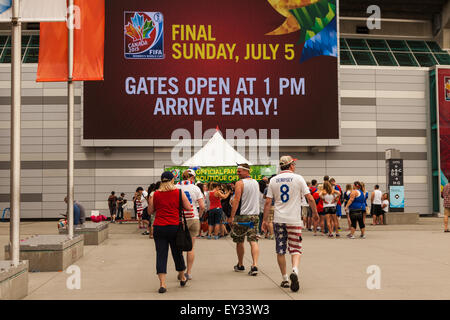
x=167 y=176
x=286 y=160
x=191 y=172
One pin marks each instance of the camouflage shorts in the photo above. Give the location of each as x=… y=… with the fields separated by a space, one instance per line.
x=238 y=232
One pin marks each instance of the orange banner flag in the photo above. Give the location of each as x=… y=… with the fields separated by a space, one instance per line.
x=89 y=40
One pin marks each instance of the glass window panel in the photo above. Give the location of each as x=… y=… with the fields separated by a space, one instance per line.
x=346 y=58
x=8 y=42
x=384 y=58
x=434 y=46
x=32 y=55
x=357 y=44
x=34 y=41
x=378 y=45
x=364 y=58
x=343 y=44
x=397 y=45
x=418 y=46
x=3 y=40
x=6 y=55
x=405 y=59
x=425 y=59
x=442 y=58
x=25 y=40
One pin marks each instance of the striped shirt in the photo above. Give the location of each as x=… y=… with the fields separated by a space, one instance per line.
x=139 y=207
x=446 y=195
x=193 y=193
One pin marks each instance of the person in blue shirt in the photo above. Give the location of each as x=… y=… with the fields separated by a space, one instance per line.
x=82 y=212
x=356 y=207
x=366 y=196
x=76 y=213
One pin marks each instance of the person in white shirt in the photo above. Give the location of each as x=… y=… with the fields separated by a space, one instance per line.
x=262 y=200
x=288 y=189
x=330 y=197
x=244 y=217
x=377 y=211
x=195 y=196
x=141 y=204
x=145 y=217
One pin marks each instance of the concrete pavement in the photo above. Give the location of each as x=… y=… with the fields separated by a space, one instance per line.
x=413 y=259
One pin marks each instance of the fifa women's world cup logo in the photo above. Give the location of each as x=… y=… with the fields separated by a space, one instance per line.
x=143 y=35
x=315 y=19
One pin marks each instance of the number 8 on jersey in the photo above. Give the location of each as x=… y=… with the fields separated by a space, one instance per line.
x=284 y=193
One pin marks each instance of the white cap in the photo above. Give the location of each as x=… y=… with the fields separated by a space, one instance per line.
x=285 y=160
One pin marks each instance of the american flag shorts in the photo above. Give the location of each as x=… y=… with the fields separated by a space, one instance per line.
x=288 y=237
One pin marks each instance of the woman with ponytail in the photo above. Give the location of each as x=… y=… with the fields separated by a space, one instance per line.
x=356 y=206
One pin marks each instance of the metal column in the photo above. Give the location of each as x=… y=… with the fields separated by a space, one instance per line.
x=16 y=69
x=70 y=117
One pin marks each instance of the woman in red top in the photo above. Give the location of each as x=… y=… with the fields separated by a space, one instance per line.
x=165 y=204
x=319 y=203
x=215 y=210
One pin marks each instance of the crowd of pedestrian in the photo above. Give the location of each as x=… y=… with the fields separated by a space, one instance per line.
x=277 y=208
x=217 y=200
x=330 y=199
x=250 y=209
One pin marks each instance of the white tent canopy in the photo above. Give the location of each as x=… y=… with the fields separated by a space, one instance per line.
x=217 y=152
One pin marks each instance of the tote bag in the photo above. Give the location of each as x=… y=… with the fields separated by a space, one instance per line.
x=183 y=239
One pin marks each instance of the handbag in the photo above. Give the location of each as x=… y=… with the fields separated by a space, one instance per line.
x=183 y=239
x=204 y=222
x=204 y=226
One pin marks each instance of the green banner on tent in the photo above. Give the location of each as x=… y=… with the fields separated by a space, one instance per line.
x=224 y=174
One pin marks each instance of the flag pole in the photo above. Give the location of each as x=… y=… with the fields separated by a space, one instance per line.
x=16 y=69
x=70 y=117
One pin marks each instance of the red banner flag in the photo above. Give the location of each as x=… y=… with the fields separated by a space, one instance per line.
x=89 y=39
